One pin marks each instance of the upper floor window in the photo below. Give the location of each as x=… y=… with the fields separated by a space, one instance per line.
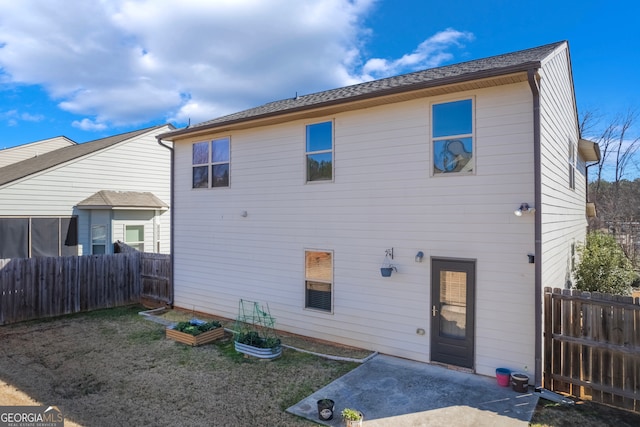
x=211 y=159
x=452 y=137
x=319 y=151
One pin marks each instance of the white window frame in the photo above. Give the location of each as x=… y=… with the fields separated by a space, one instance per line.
x=136 y=245
x=472 y=135
x=210 y=164
x=330 y=151
x=96 y=242
x=572 y=163
x=313 y=279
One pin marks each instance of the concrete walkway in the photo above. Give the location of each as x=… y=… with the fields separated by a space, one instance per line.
x=396 y=392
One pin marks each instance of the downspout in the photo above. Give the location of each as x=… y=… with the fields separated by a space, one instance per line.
x=532 y=75
x=171 y=221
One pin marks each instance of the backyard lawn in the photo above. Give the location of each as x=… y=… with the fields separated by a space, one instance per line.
x=113 y=367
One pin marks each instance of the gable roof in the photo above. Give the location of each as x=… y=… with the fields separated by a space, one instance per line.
x=32 y=149
x=27 y=167
x=500 y=65
x=106 y=199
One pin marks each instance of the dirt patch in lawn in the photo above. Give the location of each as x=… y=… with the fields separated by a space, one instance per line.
x=113 y=367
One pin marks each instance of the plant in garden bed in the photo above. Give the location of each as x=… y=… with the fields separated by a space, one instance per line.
x=194 y=327
x=195 y=332
x=254 y=339
x=254 y=332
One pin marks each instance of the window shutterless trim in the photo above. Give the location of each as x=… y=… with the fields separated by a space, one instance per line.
x=324 y=151
x=433 y=140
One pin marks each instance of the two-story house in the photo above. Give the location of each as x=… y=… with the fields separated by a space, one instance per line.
x=468 y=180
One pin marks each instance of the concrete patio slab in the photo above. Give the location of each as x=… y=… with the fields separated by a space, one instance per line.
x=390 y=391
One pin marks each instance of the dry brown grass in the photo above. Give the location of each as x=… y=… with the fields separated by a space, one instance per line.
x=582 y=414
x=113 y=367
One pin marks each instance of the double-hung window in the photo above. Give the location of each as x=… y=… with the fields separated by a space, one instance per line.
x=452 y=137
x=319 y=151
x=99 y=239
x=318 y=280
x=211 y=159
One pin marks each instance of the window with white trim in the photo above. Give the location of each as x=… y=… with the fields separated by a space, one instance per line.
x=452 y=137
x=319 y=151
x=210 y=162
x=99 y=239
x=318 y=280
x=134 y=236
x=572 y=164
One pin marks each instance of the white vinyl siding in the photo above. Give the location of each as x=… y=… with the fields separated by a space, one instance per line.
x=34 y=149
x=564 y=218
x=381 y=197
x=139 y=164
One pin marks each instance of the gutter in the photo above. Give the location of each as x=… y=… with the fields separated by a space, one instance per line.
x=532 y=75
x=173 y=212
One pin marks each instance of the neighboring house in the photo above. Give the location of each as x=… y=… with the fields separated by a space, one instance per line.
x=80 y=199
x=300 y=202
x=33 y=149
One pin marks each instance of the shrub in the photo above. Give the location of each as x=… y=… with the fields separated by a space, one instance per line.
x=603 y=266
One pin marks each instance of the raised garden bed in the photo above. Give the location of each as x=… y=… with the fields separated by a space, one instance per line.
x=260 y=353
x=195 y=332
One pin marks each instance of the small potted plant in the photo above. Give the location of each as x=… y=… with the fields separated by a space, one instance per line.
x=352 y=417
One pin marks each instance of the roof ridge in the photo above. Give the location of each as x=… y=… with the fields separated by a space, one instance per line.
x=491 y=66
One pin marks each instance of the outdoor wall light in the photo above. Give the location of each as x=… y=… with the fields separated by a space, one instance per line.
x=524 y=208
x=419 y=256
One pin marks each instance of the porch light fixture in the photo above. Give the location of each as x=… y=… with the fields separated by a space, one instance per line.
x=419 y=256
x=524 y=208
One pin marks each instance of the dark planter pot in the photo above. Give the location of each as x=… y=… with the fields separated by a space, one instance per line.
x=325 y=409
x=386 y=271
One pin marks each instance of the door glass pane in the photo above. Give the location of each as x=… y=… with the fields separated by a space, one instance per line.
x=453 y=304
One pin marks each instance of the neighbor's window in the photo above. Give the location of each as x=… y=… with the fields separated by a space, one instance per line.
x=572 y=165
x=318 y=280
x=99 y=239
x=134 y=236
x=452 y=137
x=319 y=151
x=216 y=165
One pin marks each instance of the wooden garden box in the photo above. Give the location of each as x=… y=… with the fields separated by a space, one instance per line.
x=195 y=340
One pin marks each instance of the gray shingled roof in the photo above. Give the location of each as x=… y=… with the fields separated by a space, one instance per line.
x=57 y=157
x=107 y=199
x=471 y=70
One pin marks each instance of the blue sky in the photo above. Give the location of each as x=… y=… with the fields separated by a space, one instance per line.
x=90 y=69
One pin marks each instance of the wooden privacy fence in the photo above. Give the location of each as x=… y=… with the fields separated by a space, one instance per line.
x=592 y=346
x=34 y=288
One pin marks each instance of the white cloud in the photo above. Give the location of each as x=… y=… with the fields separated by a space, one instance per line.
x=432 y=52
x=90 y=125
x=122 y=62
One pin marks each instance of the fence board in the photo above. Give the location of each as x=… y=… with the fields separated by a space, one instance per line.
x=35 y=288
x=593 y=341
